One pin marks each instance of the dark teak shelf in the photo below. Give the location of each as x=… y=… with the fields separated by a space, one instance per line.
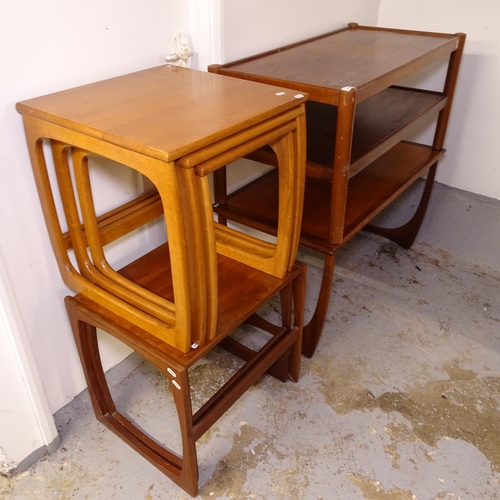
x=380 y=122
x=370 y=191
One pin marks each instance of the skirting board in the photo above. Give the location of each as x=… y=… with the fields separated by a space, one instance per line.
x=37 y=455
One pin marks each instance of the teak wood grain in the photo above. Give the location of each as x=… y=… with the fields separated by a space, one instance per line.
x=164 y=112
x=359 y=56
x=174 y=304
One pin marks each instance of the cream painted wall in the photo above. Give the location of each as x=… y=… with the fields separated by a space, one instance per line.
x=26 y=423
x=259 y=25
x=472 y=161
x=46 y=47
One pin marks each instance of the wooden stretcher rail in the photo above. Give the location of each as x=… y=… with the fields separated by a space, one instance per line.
x=125 y=218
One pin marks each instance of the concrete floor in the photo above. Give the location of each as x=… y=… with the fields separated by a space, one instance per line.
x=400 y=401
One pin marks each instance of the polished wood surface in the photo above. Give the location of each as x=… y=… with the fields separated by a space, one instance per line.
x=368 y=194
x=359 y=56
x=358 y=123
x=380 y=123
x=165 y=112
x=176 y=303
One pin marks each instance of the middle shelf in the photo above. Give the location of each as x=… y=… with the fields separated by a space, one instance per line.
x=371 y=190
x=380 y=123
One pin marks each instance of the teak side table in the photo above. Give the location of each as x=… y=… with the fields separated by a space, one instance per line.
x=174 y=304
x=358 y=123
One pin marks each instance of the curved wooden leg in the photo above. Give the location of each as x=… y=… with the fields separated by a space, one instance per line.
x=312 y=331
x=281 y=368
x=292 y=299
x=181 y=390
x=405 y=235
x=299 y=298
x=183 y=471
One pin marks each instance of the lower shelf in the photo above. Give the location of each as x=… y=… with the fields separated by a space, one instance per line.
x=153 y=272
x=369 y=192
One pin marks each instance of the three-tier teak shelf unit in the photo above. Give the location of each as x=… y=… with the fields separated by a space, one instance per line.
x=359 y=158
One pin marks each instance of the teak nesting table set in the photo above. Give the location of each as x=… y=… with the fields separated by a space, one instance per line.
x=177 y=126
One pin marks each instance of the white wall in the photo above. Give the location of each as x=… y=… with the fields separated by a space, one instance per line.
x=259 y=25
x=45 y=47
x=26 y=423
x=473 y=146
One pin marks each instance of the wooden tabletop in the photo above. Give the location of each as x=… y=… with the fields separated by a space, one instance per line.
x=368 y=59
x=164 y=112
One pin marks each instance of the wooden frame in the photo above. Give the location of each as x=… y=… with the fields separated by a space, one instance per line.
x=280 y=356
x=177 y=302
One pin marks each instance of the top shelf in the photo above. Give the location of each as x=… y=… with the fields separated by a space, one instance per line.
x=369 y=59
x=156 y=112
x=380 y=123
